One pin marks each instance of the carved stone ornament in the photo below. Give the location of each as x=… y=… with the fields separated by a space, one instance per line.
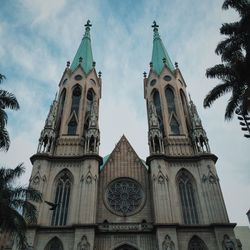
x=83 y=244
x=210 y=177
x=227 y=243
x=168 y=244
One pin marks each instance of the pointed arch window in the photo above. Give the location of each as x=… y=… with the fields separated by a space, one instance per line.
x=90 y=99
x=125 y=247
x=76 y=96
x=72 y=126
x=61 y=106
x=170 y=97
x=188 y=201
x=174 y=126
x=157 y=103
x=196 y=244
x=63 y=187
x=54 y=244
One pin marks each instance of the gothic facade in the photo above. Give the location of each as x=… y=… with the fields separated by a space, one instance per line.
x=170 y=201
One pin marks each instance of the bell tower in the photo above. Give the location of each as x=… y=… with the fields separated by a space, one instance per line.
x=72 y=124
x=66 y=165
x=184 y=183
x=171 y=130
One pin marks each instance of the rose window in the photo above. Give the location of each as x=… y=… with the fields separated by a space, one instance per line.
x=124 y=196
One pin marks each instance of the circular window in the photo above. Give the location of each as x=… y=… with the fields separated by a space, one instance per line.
x=167 y=78
x=78 y=77
x=153 y=82
x=124 y=196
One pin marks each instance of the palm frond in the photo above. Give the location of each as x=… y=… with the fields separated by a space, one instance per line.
x=2 y=77
x=233 y=103
x=3 y=118
x=4 y=139
x=239 y=5
x=230 y=28
x=217 y=92
x=220 y=71
x=9 y=175
x=29 y=194
x=8 y=100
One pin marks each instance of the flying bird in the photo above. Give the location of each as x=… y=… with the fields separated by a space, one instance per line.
x=53 y=206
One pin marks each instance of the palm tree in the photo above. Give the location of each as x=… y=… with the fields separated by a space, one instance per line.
x=7 y=100
x=235 y=56
x=16 y=207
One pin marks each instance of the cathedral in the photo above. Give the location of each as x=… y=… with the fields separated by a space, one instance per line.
x=172 y=200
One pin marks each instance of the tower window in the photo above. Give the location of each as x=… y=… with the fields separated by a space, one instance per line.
x=90 y=99
x=157 y=103
x=63 y=186
x=170 y=100
x=174 y=125
x=187 y=196
x=76 y=96
x=72 y=126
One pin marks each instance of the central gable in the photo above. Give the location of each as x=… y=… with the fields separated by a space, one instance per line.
x=123 y=164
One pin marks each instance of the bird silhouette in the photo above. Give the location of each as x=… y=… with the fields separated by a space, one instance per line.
x=53 y=206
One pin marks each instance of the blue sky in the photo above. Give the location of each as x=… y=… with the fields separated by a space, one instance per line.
x=38 y=37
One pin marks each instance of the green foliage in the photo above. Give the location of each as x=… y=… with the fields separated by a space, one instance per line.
x=235 y=56
x=17 y=209
x=7 y=101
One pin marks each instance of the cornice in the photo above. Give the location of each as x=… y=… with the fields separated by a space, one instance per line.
x=52 y=158
x=187 y=158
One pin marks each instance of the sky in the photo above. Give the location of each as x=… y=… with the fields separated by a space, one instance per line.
x=37 y=38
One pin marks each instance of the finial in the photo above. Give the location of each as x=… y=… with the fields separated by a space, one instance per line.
x=68 y=64
x=144 y=74
x=164 y=60
x=99 y=74
x=80 y=60
x=176 y=65
x=151 y=65
x=155 y=26
x=88 y=25
x=94 y=63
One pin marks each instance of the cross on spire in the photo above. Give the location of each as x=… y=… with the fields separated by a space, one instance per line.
x=88 y=25
x=155 y=26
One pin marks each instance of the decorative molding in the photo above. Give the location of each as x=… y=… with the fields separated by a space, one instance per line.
x=125 y=227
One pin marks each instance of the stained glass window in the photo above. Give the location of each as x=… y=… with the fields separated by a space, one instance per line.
x=72 y=126
x=63 y=186
x=76 y=96
x=188 y=203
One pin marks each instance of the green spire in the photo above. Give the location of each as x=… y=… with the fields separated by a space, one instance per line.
x=84 y=53
x=159 y=54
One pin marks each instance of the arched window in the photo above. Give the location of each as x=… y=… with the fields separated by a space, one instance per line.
x=76 y=96
x=188 y=199
x=170 y=101
x=72 y=126
x=125 y=247
x=157 y=103
x=61 y=106
x=54 y=244
x=196 y=244
x=174 y=125
x=90 y=99
x=62 y=194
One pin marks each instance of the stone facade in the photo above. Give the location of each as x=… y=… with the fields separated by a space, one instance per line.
x=171 y=201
